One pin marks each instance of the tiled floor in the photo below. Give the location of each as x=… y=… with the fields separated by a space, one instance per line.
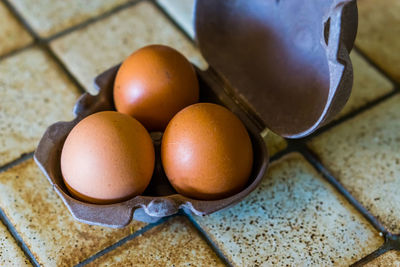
x=34 y=92
x=293 y=218
x=391 y=258
x=92 y=49
x=12 y=33
x=10 y=253
x=328 y=200
x=382 y=19
x=173 y=243
x=47 y=17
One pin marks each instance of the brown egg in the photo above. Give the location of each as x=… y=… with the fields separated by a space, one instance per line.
x=108 y=157
x=153 y=84
x=206 y=152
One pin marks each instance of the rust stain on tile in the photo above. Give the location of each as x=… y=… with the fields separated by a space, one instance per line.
x=293 y=218
x=10 y=253
x=364 y=154
x=48 y=17
x=378 y=33
x=44 y=223
x=12 y=34
x=389 y=259
x=174 y=243
x=34 y=93
x=90 y=51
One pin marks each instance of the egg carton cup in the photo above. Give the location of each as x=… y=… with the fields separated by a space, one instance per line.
x=159 y=199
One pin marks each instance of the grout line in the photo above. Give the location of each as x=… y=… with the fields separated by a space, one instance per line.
x=376 y=66
x=16 y=51
x=64 y=68
x=174 y=22
x=92 y=20
x=124 y=240
x=209 y=241
x=350 y=115
x=342 y=190
x=22 y=158
x=393 y=241
x=290 y=148
x=375 y=254
x=18 y=239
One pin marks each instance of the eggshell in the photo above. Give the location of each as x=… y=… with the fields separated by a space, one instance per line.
x=153 y=84
x=206 y=152
x=108 y=157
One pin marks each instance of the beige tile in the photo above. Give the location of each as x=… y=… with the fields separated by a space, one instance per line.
x=12 y=34
x=368 y=84
x=378 y=33
x=182 y=12
x=389 y=259
x=364 y=154
x=47 y=17
x=45 y=224
x=293 y=218
x=174 y=243
x=34 y=93
x=10 y=253
x=274 y=142
x=90 y=51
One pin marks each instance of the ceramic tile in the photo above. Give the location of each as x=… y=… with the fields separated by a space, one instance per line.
x=363 y=154
x=45 y=224
x=10 y=253
x=174 y=243
x=274 y=142
x=378 y=33
x=34 y=93
x=182 y=12
x=90 y=51
x=294 y=218
x=368 y=84
x=389 y=259
x=47 y=17
x=12 y=34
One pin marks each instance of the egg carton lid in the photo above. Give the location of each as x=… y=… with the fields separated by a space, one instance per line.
x=287 y=62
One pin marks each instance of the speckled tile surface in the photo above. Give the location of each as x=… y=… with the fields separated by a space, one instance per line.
x=292 y=218
x=12 y=34
x=389 y=259
x=34 y=93
x=90 y=51
x=368 y=84
x=10 y=253
x=182 y=12
x=48 y=17
x=44 y=223
x=364 y=154
x=378 y=33
x=174 y=243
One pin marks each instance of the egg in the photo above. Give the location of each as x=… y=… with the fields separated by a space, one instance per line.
x=108 y=157
x=206 y=152
x=153 y=84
